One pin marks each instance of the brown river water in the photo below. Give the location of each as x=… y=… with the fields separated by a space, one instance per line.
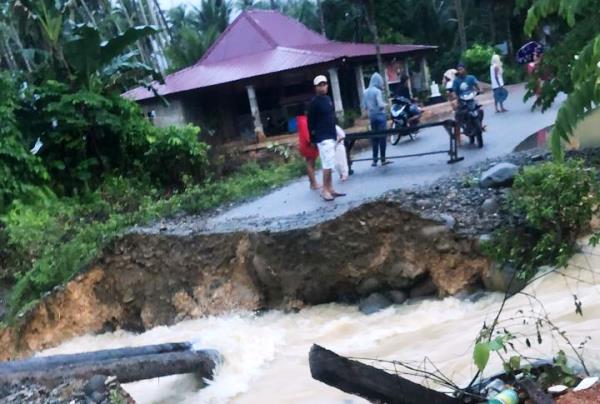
x=266 y=356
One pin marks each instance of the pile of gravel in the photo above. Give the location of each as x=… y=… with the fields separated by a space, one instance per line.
x=461 y=202
x=97 y=390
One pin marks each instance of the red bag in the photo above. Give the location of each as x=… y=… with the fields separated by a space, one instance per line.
x=307 y=149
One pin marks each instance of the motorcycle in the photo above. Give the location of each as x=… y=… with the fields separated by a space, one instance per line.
x=405 y=114
x=470 y=117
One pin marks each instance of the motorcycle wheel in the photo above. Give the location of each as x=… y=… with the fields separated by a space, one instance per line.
x=478 y=134
x=395 y=138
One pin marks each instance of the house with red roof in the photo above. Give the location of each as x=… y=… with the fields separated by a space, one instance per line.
x=257 y=77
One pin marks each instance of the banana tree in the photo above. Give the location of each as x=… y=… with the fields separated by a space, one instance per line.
x=102 y=65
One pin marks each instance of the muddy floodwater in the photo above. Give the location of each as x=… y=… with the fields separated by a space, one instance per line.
x=266 y=356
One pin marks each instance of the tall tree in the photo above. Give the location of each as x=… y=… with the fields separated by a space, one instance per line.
x=369 y=7
x=321 y=17
x=460 y=20
x=194 y=31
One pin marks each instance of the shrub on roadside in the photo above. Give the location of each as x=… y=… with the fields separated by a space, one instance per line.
x=478 y=58
x=553 y=203
x=174 y=153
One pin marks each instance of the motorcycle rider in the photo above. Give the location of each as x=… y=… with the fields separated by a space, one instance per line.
x=463 y=84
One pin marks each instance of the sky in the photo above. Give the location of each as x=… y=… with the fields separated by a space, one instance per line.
x=167 y=4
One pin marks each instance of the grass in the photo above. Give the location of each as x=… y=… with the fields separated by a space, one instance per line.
x=54 y=239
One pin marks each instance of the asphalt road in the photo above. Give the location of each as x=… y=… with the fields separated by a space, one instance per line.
x=295 y=205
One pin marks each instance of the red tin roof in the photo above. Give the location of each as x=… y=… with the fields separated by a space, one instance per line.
x=261 y=42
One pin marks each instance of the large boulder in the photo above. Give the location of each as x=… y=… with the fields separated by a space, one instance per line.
x=500 y=175
x=502 y=278
x=374 y=303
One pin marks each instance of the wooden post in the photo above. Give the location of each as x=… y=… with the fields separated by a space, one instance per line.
x=457 y=132
x=407 y=72
x=425 y=72
x=335 y=90
x=360 y=86
x=258 y=126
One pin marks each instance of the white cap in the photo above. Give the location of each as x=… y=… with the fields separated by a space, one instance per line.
x=319 y=79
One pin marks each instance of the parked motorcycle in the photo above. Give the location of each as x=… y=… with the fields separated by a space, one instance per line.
x=405 y=114
x=470 y=117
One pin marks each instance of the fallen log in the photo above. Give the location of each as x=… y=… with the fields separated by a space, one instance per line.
x=51 y=362
x=126 y=370
x=368 y=382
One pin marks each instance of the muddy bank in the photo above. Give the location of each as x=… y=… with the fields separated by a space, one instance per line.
x=143 y=281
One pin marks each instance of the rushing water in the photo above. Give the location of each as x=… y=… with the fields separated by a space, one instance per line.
x=266 y=356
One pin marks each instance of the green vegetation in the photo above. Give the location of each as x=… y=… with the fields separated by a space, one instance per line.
x=572 y=65
x=99 y=165
x=49 y=241
x=478 y=58
x=552 y=202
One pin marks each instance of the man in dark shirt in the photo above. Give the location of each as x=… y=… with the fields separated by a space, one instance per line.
x=321 y=124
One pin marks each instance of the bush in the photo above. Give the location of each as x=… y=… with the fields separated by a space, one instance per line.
x=553 y=202
x=22 y=175
x=514 y=74
x=174 y=153
x=349 y=118
x=89 y=137
x=478 y=58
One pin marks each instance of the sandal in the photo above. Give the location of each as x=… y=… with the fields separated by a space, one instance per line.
x=337 y=194
x=327 y=197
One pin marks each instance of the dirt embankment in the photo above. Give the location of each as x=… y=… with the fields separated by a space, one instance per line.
x=144 y=281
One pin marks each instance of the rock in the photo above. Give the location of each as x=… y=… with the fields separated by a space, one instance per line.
x=374 y=303
x=538 y=157
x=500 y=175
x=98 y=397
x=423 y=288
x=490 y=205
x=443 y=247
x=424 y=203
x=368 y=286
x=498 y=278
x=432 y=231
x=449 y=220
x=95 y=384
x=397 y=296
x=475 y=296
x=484 y=238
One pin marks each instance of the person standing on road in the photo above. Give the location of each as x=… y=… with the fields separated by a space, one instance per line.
x=448 y=80
x=308 y=151
x=500 y=93
x=375 y=106
x=321 y=124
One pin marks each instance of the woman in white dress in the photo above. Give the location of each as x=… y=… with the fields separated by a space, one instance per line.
x=500 y=93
